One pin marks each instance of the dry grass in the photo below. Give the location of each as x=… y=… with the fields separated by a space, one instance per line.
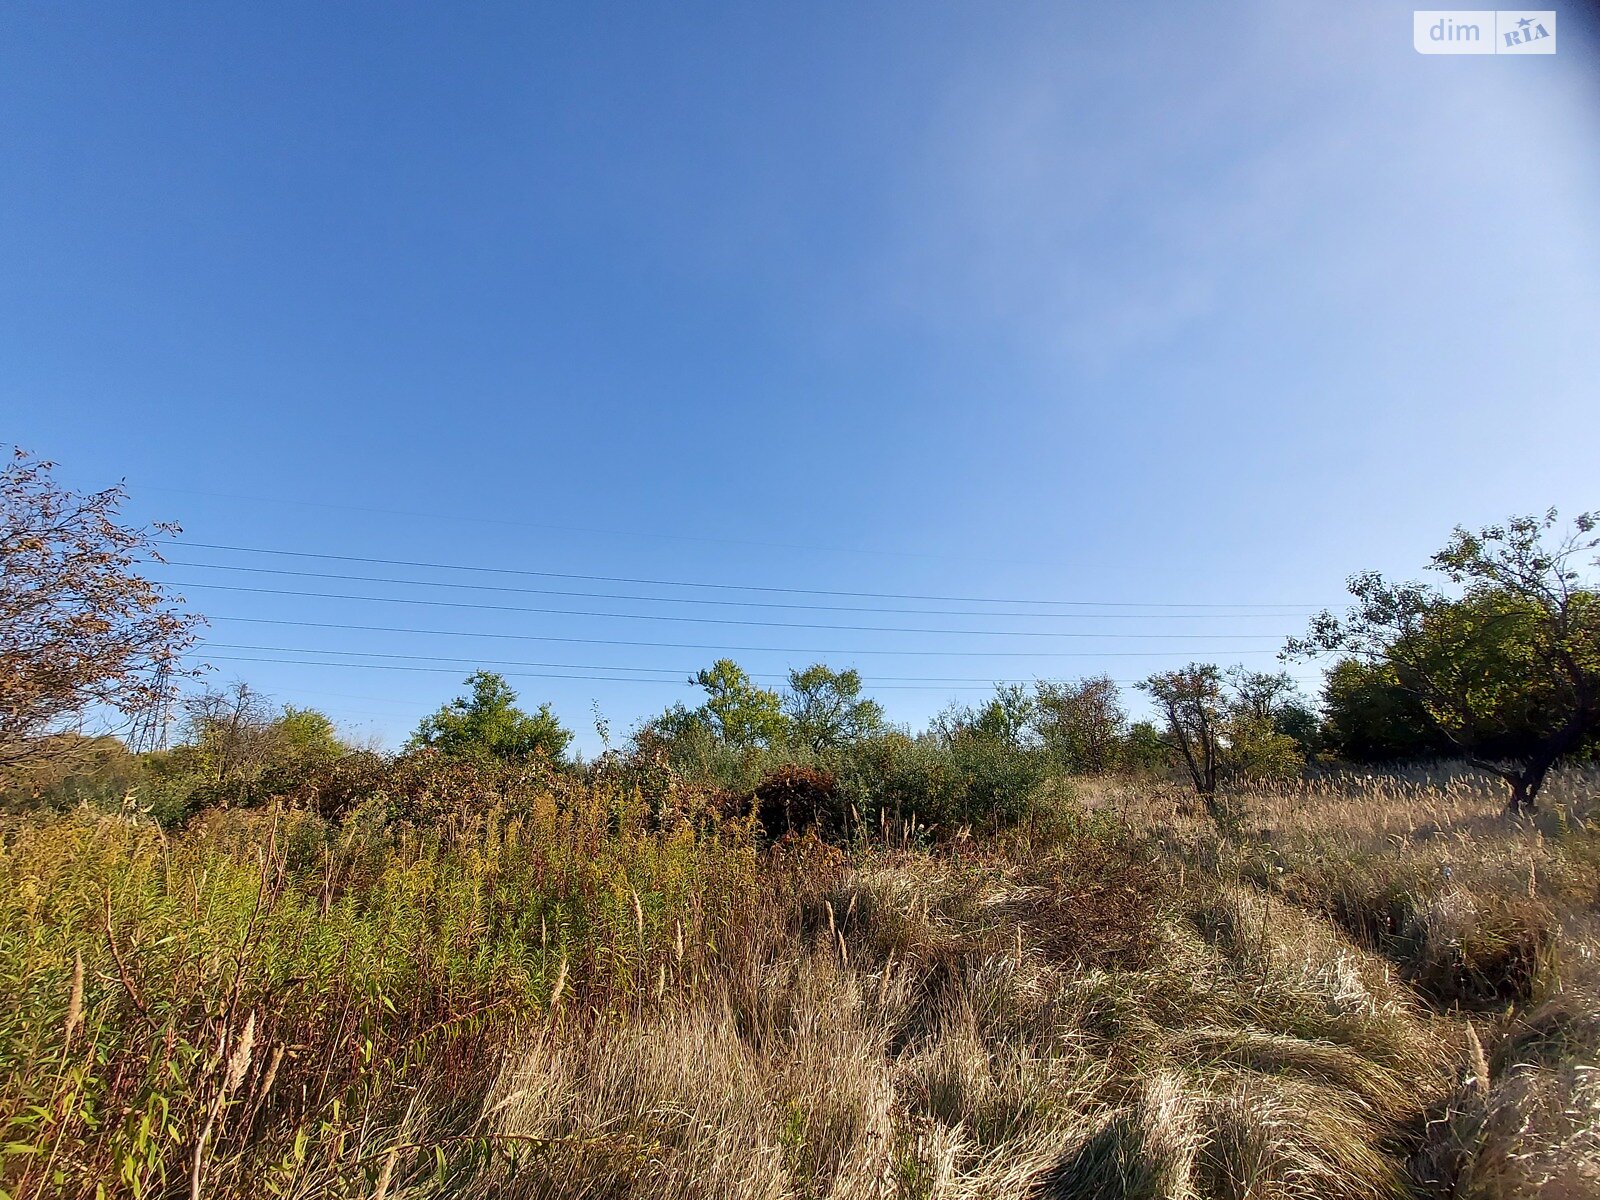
x=1489 y=921
x=1363 y=990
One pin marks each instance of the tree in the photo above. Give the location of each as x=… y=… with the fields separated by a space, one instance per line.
x=1507 y=665
x=1226 y=727
x=488 y=724
x=740 y=713
x=1082 y=724
x=1191 y=704
x=80 y=626
x=825 y=709
x=1369 y=718
x=1142 y=749
x=304 y=735
x=227 y=733
x=236 y=747
x=1006 y=720
x=1262 y=709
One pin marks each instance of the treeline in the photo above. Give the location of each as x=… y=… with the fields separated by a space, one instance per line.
x=817 y=752
x=1499 y=667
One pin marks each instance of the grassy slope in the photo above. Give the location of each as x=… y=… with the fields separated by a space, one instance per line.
x=1369 y=989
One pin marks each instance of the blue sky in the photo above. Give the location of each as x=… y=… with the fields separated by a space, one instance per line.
x=1189 y=305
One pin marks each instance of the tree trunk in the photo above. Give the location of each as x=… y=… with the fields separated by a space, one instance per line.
x=1525 y=787
x=1522 y=797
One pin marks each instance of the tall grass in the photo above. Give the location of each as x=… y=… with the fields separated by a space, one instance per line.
x=221 y=995
x=547 y=987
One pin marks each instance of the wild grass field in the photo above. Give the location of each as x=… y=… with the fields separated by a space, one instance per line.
x=1356 y=987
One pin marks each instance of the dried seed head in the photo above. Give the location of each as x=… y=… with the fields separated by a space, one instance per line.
x=561 y=982
x=75 y=999
x=1477 y=1063
x=264 y=1089
x=239 y=1060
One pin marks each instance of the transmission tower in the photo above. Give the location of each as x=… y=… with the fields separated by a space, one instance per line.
x=149 y=729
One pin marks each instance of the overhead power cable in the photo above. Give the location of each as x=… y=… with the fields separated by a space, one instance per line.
x=479 y=519
x=792 y=591
x=578 y=612
x=846 y=608
x=681 y=675
x=413 y=514
x=514 y=674
x=716 y=647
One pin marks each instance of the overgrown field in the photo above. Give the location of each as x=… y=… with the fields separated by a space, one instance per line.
x=1369 y=988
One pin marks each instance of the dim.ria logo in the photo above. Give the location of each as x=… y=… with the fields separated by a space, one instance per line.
x=1484 y=31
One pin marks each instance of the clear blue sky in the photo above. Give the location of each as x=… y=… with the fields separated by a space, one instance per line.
x=1189 y=304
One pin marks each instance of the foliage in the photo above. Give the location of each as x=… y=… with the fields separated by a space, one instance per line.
x=1083 y=724
x=1144 y=750
x=739 y=713
x=1507 y=668
x=1007 y=719
x=235 y=748
x=825 y=708
x=488 y=724
x=96 y=771
x=80 y=626
x=1227 y=727
x=794 y=799
x=208 y=1004
x=969 y=780
x=1368 y=717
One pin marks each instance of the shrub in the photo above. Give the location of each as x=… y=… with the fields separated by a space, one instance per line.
x=794 y=798
x=968 y=780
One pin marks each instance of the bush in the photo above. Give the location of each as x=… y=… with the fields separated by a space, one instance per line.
x=794 y=798
x=965 y=781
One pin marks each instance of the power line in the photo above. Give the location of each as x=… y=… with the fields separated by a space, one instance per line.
x=910 y=687
x=946 y=612
x=400 y=562
x=716 y=648
x=297 y=662
x=589 y=530
x=572 y=612
x=677 y=673
x=478 y=519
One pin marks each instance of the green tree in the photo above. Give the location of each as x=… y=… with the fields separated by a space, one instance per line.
x=488 y=724
x=1006 y=720
x=1191 y=705
x=304 y=735
x=740 y=713
x=1507 y=664
x=238 y=747
x=1225 y=727
x=1270 y=729
x=825 y=708
x=227 y=735
x=1082 y=724
x=1368 y=717
x=1142 y=748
